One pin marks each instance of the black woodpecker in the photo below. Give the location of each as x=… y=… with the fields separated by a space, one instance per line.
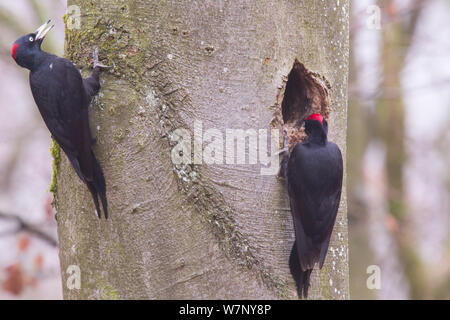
x=313 y=173
x=63 y=97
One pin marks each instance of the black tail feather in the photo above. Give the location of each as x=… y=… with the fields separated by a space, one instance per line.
x=100 y=185
x=104 y=203
x=302 y=278
x=93 y=191
x=92 y=185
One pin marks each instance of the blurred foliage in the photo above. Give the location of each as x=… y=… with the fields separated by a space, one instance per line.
x=28 y=265
x=385 y=123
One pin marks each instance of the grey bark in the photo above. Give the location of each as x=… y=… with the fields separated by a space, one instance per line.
x=195 y=231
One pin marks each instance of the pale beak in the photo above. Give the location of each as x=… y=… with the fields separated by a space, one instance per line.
x=42 y=30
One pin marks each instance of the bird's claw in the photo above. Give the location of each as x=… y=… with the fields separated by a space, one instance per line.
x=285 y=144
x=285 y=149
x=96 y=61
x=286 y=139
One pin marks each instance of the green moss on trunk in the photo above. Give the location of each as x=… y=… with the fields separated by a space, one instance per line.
x=55 y=151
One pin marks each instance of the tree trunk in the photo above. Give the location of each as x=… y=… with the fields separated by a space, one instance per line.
x=389 y=123
x=195 y=230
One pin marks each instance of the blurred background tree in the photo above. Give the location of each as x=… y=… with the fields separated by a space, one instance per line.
x=392 y=124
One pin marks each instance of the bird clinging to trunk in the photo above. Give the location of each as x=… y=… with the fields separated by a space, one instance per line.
x=313 y=172
x=62 y=97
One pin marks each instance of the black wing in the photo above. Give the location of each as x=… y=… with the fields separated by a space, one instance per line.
x=314 y=185
x=58 y=91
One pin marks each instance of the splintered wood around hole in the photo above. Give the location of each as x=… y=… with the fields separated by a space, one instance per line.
x=302 y=94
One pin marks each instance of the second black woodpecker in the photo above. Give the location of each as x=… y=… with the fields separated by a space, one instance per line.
x=63 y=97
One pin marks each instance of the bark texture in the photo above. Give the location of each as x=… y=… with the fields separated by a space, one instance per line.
x=195 y=231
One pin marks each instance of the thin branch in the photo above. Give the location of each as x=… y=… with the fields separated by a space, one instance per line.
x=26 y=227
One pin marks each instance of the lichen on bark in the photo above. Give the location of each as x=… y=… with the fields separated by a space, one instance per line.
x=55 y=152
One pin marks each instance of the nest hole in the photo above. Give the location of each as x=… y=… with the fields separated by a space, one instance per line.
x=304 y=93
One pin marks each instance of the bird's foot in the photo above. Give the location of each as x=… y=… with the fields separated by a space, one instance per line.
x=285 y=144
x=96 y=61
x=285 y=149
x=286 y=138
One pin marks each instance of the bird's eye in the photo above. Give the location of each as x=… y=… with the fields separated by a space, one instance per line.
x=31 y=39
